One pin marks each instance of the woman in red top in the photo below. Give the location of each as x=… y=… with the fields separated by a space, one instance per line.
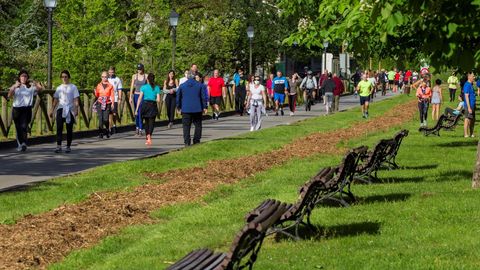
x=423 y=94
x=105 y=94
x=396 y=82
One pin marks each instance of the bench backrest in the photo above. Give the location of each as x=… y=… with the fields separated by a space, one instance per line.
x=398 y=138
x=379 y=153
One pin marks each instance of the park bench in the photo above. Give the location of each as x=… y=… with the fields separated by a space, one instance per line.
x=444 y=122
x=451 y=122
x=245 y=246
x=398 y=138
x=373 y=161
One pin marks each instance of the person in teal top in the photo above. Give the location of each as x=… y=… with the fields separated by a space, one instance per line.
x=150 y=94
x=364 y=89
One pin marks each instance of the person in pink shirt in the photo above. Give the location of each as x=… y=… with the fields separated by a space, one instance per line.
x=424 y=93
x=270 y=91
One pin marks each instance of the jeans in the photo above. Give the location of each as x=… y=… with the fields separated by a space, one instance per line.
x=423 y=110
x=60 y=120
x=240 y=101
x=171 y=104
x=22 y=117
x=187 y=120
x=138 y=118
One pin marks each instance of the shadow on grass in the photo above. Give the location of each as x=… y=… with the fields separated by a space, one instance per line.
x=465 y=143
x=421 y=167
x=319 y=232
x=34 y=186
x=411 y=179
x=456 y=174
x=394 y=197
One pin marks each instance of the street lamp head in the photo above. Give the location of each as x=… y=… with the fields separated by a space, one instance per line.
x=325 y=44
x=250 y=32
x=51 y=4
x=173 y=18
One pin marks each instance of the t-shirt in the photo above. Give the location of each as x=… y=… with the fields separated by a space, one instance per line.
x=408 y=74
x=365 y=88
x=149 y=93
x=280 y=84
x=216 y=85
x=257 y=92
x=309 y=83
x=391 y=75
x=468 y=89
x=66 y=94
x=23 y=96
x=117 y=85
x=452 y=82
x=397 y=76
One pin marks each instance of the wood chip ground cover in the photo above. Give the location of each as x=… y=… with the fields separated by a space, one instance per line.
x=39 y=240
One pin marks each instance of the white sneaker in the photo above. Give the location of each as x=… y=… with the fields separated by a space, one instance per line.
x=252 y=129
x=19 y=148
x=473 y=136
x=291 y=113
x=58 y=149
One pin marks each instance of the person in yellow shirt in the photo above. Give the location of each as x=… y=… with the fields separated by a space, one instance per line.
x=452 y=85
x=364 y=89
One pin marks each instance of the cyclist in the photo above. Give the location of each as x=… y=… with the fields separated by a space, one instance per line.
x=309 y=85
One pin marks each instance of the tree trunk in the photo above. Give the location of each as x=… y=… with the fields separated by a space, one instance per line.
x=476 y=173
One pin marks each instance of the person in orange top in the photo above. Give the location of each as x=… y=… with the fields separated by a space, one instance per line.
x=105 y=94
x=424 y=93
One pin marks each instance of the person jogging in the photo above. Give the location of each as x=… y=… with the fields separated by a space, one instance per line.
x=452 y=85
x=117 y=88
x=138 y=80
x=170 y=86
x=67 y=98
x=23 y=92
x=364 y=90
x=240 y=91
x=216 y=93
x=150 y=96
x=105 y=96
x=391 y=79
x=256 y=100
x=423 y=94
x=280 y=88
x=309 y=85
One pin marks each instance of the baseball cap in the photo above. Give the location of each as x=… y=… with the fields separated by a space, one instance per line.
x=140 y=67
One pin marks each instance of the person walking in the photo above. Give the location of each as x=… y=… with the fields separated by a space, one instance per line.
x=280 y=88
x=170 y=86
x=339 y=89
x=139 y=79
x=364 y=90
x=256 y=100
x=391 y=78
x=240 y=91
x=292 y=95
x=216 y=93
x=423 y=94
x=66 y=101
x=23 y=92
x=328 y=88
x=117 y=88
x=382 y=79
x=436 y=99
x=150 y=96
x=470 y=100
x=191 y=102
x=105 y=95
x=269 y=85
x=452 y=85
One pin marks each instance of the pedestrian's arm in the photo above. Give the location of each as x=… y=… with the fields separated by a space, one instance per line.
x=131 y=88
x=303 y=82
x=224 y=91
x=467 y=102
x=233 y=89
x=139 y=102
x=54 y=106
x=76 y=102
x=264 y=95
x=11 y=91
x=158 y=98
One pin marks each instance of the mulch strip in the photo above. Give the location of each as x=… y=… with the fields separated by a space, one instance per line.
x=36 y=241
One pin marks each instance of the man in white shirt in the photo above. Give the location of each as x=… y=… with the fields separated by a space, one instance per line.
x=117 y=87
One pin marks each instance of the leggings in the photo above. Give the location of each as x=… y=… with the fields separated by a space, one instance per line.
x=138 y=118
x=292 y=102
x=423 y=110
x=452 y=94
x=170 y=102
x=240 y=101
x=60 y=121
x=103 y=121
x=22 y=117
x=149 y=125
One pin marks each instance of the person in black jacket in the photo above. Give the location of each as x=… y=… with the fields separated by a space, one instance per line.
x=191 y=103
x=328 y=87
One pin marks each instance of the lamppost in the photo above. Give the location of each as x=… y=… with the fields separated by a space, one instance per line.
x=250 y=34
x=50 y=5
x=325 y=46
x=173 y=23
x=345 y=46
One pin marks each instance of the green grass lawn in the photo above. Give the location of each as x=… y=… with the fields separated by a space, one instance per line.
x=423 y=216
x=124 y=175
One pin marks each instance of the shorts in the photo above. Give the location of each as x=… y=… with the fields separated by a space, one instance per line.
x=279 y=97
x=364 y=99
x=216 y=100
x=390 y=81
x=396 y=83
x=115 y=108
x=470 y=115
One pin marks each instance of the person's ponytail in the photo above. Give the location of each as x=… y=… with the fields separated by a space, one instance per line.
x=151 y=80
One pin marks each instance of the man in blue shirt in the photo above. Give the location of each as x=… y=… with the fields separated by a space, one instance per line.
x=280 y=89
x=191 y=103
x=470 y=100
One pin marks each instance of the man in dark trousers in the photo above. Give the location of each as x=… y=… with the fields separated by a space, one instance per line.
x=191 y=103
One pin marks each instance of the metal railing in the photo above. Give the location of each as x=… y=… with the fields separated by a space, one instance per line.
x=43 y=124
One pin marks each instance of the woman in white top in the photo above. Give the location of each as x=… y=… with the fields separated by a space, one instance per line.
x=256 y=99
x=23 y=92
x=67 y=98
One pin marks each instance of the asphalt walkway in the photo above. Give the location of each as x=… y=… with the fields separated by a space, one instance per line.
x=40 y=163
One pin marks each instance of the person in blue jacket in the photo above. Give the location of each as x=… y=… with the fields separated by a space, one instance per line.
x=280 y=89
x=191 y=103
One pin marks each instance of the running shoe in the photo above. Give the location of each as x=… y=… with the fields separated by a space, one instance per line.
x=58 y=149
x=68 y=149
x=282 y=112
x=24 y=147
x=170 y=125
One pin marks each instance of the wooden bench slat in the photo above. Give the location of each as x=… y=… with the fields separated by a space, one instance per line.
x=189 y=259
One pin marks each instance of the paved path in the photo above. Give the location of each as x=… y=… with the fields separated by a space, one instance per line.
x=40 y=163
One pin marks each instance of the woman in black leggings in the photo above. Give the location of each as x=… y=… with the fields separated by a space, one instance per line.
x=150 y=95
x=170 y=89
